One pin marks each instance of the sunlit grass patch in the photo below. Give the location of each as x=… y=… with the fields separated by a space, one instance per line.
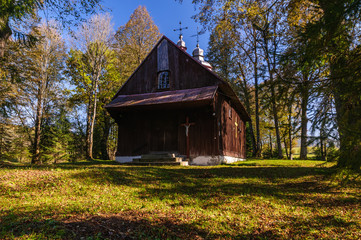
x=263 y=199
x=291 y=163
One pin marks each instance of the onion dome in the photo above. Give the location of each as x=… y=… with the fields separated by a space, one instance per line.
x=181 y=44
x=198 y=55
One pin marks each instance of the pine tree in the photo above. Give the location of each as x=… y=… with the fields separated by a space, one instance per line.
x=332 y=39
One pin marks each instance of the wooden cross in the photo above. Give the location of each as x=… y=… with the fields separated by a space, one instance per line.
x=235 y=123
x=187 y=124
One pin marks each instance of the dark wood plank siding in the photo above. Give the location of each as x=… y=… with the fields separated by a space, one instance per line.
x=185 y=73
x=203 y=141
x=147 y=131
x=232 y=142
x=144 y=79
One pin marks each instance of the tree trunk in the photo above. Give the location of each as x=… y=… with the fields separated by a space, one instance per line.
x=271 y=71
x=286 y=148
x=276 y=122
x=254 y=146
x=325 y=150
x=36 y=146
x=321 y=149
x=113 y=135
x=39 y=111
x=304 y=121
x=345 y=150
x=343 y=161
x=91 y=132
x=347 y=117
x=248 y=108
x=96 y=56
x=258 y=147
x=2 y=133
x=270 y=144
x=290 y=131
x=5 y=33
x=91 y=122
x=38 y=119
x=105 y=136
x=89 y=147
x=93 y=111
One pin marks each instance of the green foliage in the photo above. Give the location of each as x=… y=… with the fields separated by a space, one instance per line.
x=221 y=50
x=134 y=41
x=268 y=154
x=14 y=143
x=34 y=75
x=249 y=150
x=349 y=108
x=56 y=138
x=88 y=65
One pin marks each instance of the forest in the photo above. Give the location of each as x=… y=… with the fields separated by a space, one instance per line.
x=295 y=64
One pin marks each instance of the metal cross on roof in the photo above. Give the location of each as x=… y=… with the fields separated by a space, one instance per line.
x=180 y=28
x=197 y=35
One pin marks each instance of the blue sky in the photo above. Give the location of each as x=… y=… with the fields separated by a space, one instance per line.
x=166 y=15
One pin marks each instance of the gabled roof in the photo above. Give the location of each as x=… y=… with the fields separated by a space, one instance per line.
x=223 y=85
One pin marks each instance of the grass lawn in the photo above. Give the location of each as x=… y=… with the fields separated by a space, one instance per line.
x=257 y=199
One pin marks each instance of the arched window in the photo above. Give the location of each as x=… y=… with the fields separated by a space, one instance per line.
x=163 y=80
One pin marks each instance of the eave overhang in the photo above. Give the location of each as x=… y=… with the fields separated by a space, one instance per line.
x=185 y=97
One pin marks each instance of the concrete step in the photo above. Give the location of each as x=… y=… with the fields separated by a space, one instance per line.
x=158 y=159
x=159 y=154
x=182 y=163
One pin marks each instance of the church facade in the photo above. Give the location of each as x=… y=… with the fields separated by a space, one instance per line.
x=175 y=103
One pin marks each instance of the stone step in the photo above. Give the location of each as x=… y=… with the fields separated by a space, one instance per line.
x=158 y=159
x=182 y=163
x=159 y=154
x=162 y=152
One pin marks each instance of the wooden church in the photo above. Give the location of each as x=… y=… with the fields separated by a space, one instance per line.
x=174 y=104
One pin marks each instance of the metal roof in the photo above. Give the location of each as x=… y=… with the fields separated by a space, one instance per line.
x=165 y=97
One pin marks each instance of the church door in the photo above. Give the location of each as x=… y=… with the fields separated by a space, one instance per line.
x=164 y=133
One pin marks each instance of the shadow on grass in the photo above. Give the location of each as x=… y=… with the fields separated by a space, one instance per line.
x=145 y=225
x=222 y=183
x=162 y=182
x=170 y=174
x=89 y=163
x=126 y=225
x=65 y=165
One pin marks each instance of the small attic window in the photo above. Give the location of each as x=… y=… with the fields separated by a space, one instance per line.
x=163 y=80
